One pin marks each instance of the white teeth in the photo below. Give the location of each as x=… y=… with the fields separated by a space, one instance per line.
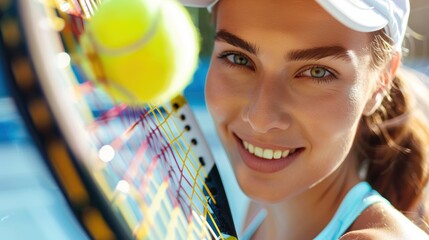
x=246 y=145
x=277 y=154
x=285 y=153
x=258 y=152
x=267 y=153
x=251 y=148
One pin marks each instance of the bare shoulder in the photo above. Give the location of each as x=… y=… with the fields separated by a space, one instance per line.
x=380 y=234
x=382 y=221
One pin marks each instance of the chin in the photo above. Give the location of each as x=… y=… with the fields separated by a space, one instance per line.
x=259 y=189
x=264 y=196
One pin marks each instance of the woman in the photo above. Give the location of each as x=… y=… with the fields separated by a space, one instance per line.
x=307 y=102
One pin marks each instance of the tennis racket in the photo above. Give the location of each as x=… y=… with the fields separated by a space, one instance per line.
x=138 y=171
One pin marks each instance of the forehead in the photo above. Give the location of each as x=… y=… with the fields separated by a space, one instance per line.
x=296 y=21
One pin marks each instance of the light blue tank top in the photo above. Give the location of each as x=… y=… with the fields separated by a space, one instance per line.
x=359 y=198
x=356 y=201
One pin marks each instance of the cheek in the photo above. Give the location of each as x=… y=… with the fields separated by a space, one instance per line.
x=355 y=102
x=348 y=110
x=223 y=97
x=352 y=103
x=341 y=122
x=331 y=135
x=215 y=96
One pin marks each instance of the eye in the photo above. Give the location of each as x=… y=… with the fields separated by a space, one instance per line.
x=235 y=59
x=318 y=73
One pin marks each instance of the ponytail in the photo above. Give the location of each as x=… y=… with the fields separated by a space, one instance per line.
x=394 y=141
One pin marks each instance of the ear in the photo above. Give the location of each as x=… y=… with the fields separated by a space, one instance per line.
x=373 y=103
x=384 y=84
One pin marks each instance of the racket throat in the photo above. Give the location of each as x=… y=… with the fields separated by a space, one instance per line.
x=219 y=206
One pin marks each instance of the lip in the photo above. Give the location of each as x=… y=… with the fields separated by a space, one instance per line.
x=263 y=165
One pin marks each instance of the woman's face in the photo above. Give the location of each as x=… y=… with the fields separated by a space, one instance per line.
x=286 y=87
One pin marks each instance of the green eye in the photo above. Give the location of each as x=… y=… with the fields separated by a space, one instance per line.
x=238 y=59
x=318 y=72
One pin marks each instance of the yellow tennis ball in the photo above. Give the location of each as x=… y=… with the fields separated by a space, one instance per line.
x=145 y=50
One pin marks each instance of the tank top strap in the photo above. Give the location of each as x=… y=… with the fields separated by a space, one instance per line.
x=360 y=197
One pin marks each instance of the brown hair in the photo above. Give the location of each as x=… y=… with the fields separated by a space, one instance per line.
x=394 y=141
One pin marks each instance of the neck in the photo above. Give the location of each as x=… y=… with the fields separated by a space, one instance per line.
x=307 y=214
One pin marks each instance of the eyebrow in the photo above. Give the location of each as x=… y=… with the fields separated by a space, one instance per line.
x=234 y=40
x=336 y=52
x=317 y=53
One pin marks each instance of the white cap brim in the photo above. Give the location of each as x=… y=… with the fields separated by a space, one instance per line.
x=359 y=15
x=355 y=14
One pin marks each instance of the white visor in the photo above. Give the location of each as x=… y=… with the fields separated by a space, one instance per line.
x=359 y=15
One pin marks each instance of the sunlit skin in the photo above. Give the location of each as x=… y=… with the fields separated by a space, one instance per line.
x=281 y=90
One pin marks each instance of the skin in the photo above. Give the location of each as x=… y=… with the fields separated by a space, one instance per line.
x=269 y=99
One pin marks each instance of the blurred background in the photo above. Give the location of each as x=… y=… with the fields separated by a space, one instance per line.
x=417 y=38
x=31 y=204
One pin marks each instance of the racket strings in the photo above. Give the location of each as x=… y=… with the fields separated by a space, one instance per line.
x=152 y=133
x=147 y=167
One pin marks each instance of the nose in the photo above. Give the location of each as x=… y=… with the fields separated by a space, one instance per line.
x=267 y=109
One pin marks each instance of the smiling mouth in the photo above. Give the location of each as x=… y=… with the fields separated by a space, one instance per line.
x=267 y=153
